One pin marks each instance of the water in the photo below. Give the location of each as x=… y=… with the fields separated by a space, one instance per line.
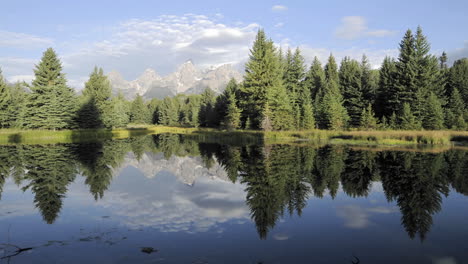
x=196 y=202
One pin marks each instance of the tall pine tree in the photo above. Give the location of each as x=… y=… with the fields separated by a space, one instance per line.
x=51 y=103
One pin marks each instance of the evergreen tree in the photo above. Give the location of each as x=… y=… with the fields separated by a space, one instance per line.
x=226 y=107
x=51 y=103
x=96 y=105
x=455 y=111
x=433 y=116
x=350 y=80
x=116 y=112
x=307 y=115
x=263 y=86
x=5 y=100
x=294 y=75
x=207 y=116
x=331 y=113
x=368 y=82
x=315 y=79
x=167 y=112
x=138 y=111
x=407 y=120
x=368 y=120
x=384 y=106
x=458 y=78
x=405 y=87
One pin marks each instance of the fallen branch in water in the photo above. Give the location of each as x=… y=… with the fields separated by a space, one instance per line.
x=17 y=252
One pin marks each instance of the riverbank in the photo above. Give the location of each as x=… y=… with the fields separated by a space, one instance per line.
x=388 y=138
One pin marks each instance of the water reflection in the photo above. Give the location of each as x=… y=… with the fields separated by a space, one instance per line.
x=265 y=182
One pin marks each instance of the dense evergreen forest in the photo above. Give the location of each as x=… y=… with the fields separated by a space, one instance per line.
x=415 y=91
x=278 y=179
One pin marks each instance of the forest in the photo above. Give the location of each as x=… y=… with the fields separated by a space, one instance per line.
x=416 y=91
x=279 y=179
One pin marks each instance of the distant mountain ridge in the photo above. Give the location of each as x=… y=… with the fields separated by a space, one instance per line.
x=187 y=80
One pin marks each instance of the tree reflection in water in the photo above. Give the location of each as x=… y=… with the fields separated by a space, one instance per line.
x=278 y=178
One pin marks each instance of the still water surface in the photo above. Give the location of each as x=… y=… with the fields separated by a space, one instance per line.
x=198 y=202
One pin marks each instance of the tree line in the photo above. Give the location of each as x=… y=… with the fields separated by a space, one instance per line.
x=278 y=179
x=415 y=91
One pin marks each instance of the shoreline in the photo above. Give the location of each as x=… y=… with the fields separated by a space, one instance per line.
x=369 y=138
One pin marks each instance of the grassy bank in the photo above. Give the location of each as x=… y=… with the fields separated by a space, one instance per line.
x=389 y=138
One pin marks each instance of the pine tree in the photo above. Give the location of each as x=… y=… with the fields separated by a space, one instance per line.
x=350 y=80
x=138 y=111
x=407 y=120
x=5 y=102
x=226 y=107
x=455 y=110
x=116 y=112
x=331 y=114
x=368 y=82
x=167 y=112
x=315 y=79
x=368 y=120
x=405 y=88
x=263 y=86
x=207 y=115
x=294 y=74
x=51 y=103
x=458 y=78
x=307 y=120
x=384 y=106
x=433 y=116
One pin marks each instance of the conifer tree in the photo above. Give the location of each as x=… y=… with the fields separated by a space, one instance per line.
x=5 y=100
x=405 y=87
x=207 y=115
x=368 y=120
x=455 y=110
x=263 y=86
x=407 y=120
x=331 y=113
x=116 y=112
x=168 y=112
x=368 y=82
x=51 y=103
x=226 y=107
x=350 y=80
x=458 y=78
x=384 y=106
x=433 y=116
x=138 y=111
x=315 y=79
x=308 y=119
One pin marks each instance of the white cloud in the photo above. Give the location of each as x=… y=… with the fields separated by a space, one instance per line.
x=163 y=44
x=375 y=56
x=20 y=78
x=354 y=27
x=278 y=25
x=21 y=40
x=279 y=8
x=357 y=217
x=459 y=53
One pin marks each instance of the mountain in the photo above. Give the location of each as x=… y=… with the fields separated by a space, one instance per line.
x=186 y=169
x=187 y=79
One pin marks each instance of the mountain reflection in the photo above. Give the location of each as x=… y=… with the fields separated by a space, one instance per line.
x=278 y=179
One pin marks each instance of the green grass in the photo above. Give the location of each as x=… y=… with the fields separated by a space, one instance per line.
x=385 y=138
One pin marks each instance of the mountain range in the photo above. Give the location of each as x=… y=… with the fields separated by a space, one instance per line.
x=187 y=79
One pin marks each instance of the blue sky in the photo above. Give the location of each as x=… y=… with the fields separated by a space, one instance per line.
x=130 y=36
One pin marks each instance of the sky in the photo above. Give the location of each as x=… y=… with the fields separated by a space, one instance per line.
x=131 y=36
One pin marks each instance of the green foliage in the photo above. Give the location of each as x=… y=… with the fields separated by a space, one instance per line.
x=433 y=117
x=458 y=78
x=5 y=100
x=315 y=79
x=368 y=119
x=351 y=84
x=207 y=116
x=407 y=120
x=139 y=113
x=455 y=111
x=51 y=103
x=263 y=86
